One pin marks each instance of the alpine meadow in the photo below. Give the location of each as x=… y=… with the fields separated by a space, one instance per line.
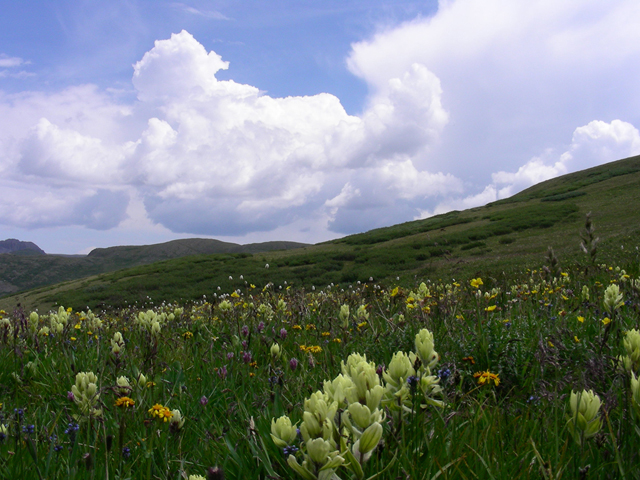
x=501 y=341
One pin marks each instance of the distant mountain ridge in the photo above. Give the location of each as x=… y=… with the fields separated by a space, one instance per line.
x=189 y=246
x=29 y=267
x=12 y=245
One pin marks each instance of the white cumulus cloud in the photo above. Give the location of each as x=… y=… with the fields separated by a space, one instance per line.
x=593 y=144
x=213 y=157
x=517 y=76
x=474 y=103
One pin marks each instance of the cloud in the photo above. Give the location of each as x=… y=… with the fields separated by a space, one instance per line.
x=20 y=74
x=517 y=76
x=600 y=142
x=211 y=157
x=8 y=62
x=246 y=161
x=593 y=144
x=65 y=155
x=213 y=14
x=24 y=206
x=471 y=104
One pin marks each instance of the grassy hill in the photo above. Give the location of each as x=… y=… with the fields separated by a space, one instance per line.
x=21 y=272
x=504 y=236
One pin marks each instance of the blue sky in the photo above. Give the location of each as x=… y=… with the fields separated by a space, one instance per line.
x=137 y=122
x=283 y=47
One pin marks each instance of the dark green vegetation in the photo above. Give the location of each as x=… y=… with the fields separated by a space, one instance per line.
x=20 y=272
x=495 y=239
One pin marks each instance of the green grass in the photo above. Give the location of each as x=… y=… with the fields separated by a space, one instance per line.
x=21 y=271
x=539 y=335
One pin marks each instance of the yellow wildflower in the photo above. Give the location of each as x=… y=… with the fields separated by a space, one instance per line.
x=490 y=308
x=161 y=412
x=476 y=282
x=125 y=402
x=606 y=321
x=487 y=377
x=311 y=349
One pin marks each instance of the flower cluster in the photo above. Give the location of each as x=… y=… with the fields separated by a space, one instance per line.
x=161 y=412
x=409 y=372
x=342 y=424
x=631 y=343
x=125 y=402
x=117 y=343
x=584 y=421
x=311 y=348
x=85 y=394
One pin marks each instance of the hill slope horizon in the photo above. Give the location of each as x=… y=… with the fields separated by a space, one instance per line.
x=19 y=271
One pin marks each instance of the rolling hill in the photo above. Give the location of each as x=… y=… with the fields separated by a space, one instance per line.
x=504 y=236
x=21 y=272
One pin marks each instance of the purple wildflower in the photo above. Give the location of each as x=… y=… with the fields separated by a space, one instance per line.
x=293 y=363
x=246 y=357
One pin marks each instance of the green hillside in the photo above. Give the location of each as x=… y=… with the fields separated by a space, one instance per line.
x=19 y=271
x=504 y=236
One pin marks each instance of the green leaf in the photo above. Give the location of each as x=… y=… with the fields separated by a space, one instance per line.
x=353 y=465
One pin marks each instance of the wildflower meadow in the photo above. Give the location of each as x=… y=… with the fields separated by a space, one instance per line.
x=530 y=376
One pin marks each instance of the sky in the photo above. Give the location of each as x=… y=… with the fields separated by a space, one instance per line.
x=132 y=122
